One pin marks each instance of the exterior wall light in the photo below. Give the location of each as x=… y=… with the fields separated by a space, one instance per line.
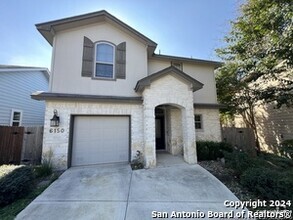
x=54 y=122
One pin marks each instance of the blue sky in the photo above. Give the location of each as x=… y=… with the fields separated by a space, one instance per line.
x=189 y=28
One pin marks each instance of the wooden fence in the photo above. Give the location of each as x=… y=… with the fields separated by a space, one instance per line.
x=240 y=138
x=20 y=145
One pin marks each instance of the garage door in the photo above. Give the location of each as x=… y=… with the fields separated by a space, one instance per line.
x=100 y=139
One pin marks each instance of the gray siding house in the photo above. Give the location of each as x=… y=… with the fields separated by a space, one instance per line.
x=17 y=83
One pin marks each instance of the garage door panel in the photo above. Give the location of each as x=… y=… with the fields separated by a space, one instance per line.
x=100 y=139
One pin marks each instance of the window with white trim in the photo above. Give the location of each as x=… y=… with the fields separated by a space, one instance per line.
x=198 y=122
x=104 y=62
x=16 y=117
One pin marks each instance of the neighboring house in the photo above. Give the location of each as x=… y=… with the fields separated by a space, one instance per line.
x=115 y=97
x=16 y=85
x=273 y=125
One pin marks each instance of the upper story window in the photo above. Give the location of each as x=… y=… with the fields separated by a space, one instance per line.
x=103 y=60
x=104 y=63
x=16 y=117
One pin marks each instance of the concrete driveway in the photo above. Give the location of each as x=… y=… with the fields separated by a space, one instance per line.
x=116 y=192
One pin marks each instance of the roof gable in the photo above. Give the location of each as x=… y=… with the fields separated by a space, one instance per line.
x=48 y=29
x=146 y=81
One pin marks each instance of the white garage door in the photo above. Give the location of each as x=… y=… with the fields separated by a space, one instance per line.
x=100 y=139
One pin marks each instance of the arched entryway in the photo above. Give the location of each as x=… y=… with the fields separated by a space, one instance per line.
x=161 y=92
x=169 y=127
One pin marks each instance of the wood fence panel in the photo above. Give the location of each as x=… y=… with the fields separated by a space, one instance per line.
x=241 y=138
x=10 y=144
x=32 y=145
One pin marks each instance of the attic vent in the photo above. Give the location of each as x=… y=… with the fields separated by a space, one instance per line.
x=178 y=65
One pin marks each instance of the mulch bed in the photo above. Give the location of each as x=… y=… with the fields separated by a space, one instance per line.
x=227 y=177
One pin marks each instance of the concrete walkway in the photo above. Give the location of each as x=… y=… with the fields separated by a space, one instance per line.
x=116 y=192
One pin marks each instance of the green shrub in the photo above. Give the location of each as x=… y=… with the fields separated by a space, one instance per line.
x=286 y=148
x=43 y=170
x=276 y=161
x=16 y=184
x=138 y=162
x=268 y=184
x=239 y=161
x=210 y=150
x=46 y=168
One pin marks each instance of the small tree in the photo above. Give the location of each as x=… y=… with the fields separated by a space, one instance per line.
x=258 y=60
x=238 y=96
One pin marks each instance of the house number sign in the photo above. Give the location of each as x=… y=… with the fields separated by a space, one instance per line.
x=56 y=130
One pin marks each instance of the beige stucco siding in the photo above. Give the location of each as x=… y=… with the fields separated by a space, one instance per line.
x=67 y=61
x=200 y=72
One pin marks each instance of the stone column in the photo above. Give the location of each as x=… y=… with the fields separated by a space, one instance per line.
x=149 y=137
x=176 y=131
x=189 y=145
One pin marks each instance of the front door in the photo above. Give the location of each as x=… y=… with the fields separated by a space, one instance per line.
x=160 y=133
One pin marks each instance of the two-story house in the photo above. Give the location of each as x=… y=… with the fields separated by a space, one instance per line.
x=114 y=96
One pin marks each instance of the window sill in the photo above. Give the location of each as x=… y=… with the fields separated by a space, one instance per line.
x=199 y=130
x=104 y=78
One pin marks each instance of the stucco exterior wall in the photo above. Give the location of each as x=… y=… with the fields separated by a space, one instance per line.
x=59 y=142
x=202 y=73
x=67 y=62
x=211 y=125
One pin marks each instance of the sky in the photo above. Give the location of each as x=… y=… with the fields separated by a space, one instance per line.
x=188 y=28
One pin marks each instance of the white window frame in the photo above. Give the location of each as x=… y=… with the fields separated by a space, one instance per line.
x=95 y=61
x=201 y=122
x=20 y=118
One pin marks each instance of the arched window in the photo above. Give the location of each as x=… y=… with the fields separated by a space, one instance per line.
x=104 y=62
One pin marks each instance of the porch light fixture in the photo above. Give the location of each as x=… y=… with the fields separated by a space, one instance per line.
x=54 y=122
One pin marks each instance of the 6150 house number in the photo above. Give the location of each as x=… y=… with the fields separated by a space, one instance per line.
x=56 y=130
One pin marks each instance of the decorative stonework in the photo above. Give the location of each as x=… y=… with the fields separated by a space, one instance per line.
x=211 y=125
x=169 y=90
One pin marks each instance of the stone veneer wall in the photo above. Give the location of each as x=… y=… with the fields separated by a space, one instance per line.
x=211 y=125
x=169 y=90
x=174 y=131
x=211 y=128
x=57 y=139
